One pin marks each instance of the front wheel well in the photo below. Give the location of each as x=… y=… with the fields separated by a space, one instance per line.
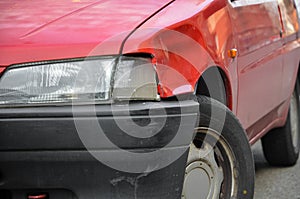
x=213 y=83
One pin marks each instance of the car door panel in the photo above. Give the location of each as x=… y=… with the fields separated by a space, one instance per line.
x=258 y=29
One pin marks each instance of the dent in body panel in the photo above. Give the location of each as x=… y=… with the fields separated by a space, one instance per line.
x=186 y=45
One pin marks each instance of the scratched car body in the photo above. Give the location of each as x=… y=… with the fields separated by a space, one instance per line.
x=145 y=99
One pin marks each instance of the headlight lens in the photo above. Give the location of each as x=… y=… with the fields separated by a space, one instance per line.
x=86 y=81
x=135 y=79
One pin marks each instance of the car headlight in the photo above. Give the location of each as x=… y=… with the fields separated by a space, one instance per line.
x=93 y=80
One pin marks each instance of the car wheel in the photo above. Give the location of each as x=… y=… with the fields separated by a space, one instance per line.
x=220 y=162
x=281 y=145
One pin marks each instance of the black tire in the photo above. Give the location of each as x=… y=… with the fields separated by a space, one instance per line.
x=281 y=145
x=232 y=155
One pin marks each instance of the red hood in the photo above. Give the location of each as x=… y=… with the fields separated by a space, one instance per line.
x=34 y=30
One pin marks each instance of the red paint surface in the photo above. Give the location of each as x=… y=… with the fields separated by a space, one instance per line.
x=32 y=30
x=186 y=38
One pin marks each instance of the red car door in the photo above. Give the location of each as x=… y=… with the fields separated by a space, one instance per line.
x=290 y=27
x=258 y=36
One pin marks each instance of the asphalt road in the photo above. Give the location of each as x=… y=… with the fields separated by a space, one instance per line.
x=275 y=182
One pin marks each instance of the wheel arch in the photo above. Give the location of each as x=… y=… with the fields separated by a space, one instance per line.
x=215 y=83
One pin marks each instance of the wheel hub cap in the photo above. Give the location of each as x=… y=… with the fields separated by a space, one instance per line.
x=203 y=177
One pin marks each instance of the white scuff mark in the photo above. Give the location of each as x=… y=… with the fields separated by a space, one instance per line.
x=133 y=181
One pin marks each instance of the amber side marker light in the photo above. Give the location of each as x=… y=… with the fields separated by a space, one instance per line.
x=232 y=53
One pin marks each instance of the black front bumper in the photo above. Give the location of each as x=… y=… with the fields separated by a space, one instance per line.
x=59 y=152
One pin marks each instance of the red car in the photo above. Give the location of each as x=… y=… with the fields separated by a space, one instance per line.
x=145 y=99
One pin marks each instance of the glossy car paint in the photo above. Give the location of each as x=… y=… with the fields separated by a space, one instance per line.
x=267 y=60
x=34 y=31
x=186 y=38
x=199 y=23
x=258 y=86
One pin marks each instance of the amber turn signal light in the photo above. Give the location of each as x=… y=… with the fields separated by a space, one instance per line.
x=232 y=53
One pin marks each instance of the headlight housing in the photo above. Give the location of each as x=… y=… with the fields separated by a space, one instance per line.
x=93 y=80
